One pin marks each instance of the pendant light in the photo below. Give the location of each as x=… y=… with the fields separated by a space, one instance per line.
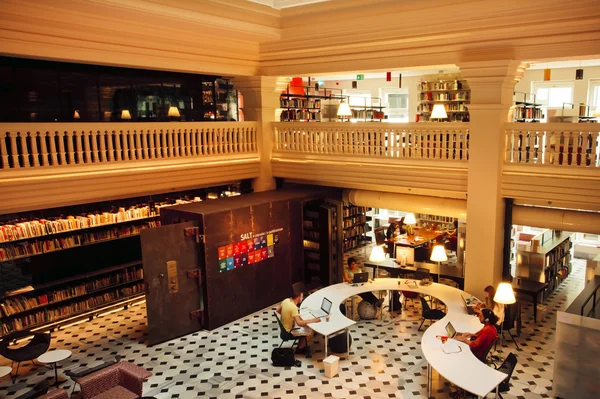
x=547 y=74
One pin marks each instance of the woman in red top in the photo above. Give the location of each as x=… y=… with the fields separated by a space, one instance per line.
x=482 y=340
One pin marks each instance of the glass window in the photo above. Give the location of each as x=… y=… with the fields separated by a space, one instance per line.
x=553 y=94
x=396 y=101
x=594 y=93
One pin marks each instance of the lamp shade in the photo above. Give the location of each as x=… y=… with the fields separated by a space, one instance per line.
x=76 y=115
x=504 y=294
x=125 y=114
x=439 y=254
x=410 y=218
x=377 y=254
x=174 y=112
x=344 y=109
x=439 y=111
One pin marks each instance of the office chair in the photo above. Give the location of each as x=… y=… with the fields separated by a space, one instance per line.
x=284 y=334
x=507 y=367
x=428 y=313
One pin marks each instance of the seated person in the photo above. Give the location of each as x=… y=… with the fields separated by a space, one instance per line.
x=482 y=340
x=349 y=278
x=489 y=303
x=451 y=237
x=290 y=319
x=395 y=229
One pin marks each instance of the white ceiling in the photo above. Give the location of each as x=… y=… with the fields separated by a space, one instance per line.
x=279 y=4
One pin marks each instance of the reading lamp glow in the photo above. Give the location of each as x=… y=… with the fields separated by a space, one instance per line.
x=174 y=112
x=439 y=112
x=125 y=114
x=439 y=255
x=344 y=110
x=504 y=294
x=377 y=256
x=410 y=218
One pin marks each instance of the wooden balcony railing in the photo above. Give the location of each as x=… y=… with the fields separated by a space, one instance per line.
x=36 y=145
x=561 y=144
x=426 y=141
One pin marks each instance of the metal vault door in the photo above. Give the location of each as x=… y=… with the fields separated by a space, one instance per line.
x=172 y=280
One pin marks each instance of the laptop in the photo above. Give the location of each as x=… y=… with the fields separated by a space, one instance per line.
x=323 y=312
x=470 y=308
x=450 y=330
x=362 y=277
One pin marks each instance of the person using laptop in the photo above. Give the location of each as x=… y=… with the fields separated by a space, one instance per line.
x=489 y=303
x=292 y=322
x=482 y=340
x=349 y=278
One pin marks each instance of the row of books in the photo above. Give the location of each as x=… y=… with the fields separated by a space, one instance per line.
x=299 y=103
x=448 y=85
x=36 y=247
x=355 y=220
x=48 y=315
x=355 y=231
x=41 y=227
x=455 y=96
x=354 y=210
x=18 y=304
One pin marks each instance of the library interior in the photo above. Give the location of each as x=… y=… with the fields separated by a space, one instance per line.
x=299 y=199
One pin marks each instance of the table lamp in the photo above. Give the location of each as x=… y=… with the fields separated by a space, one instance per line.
x=439 y=255
x=504 y=296
x=377 y=256
x=410 y=220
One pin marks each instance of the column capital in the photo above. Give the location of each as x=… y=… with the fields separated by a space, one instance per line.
x=492 y=82
x=261 y=83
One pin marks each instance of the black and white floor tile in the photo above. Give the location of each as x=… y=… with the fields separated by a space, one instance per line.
x=234 y=361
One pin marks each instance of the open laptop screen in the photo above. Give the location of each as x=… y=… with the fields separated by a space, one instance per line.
x=450 y=330
x=326 y=305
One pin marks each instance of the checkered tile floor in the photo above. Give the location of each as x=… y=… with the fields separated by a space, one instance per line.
x=234 y=361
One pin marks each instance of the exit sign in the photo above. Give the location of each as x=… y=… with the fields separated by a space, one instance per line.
x=360 y=77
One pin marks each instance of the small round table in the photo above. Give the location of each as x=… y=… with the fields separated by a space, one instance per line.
x=54 y=357
x=4 y=371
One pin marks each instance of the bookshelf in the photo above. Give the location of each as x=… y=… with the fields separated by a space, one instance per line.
x=304 y=103
x=55 y=268
x=356 y=226
x=321 y=245
x=453 y=94
x=443 y=222
x=526 y=109
x=546 y=259
x=370 y=111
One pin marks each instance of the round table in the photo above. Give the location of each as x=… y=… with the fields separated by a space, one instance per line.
x=54 y=357
x=4 y=371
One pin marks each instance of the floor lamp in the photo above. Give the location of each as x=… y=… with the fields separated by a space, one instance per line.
x=439 y=255
x=377 y=256
x=504 y=296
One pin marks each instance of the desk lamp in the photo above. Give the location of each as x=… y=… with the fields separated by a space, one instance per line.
x=439 y=255
x=377 y=256
x=410 y=220
x=504 y=296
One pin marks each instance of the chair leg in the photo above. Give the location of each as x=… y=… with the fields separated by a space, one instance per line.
x=16 y=373
x=422 y=321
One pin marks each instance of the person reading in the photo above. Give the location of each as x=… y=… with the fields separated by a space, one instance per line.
x=293 y=323
x=349 y=278
x=482 y=340
x=396 y=229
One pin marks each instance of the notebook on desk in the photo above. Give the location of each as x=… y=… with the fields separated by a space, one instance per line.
x=316 y=313
x=470 y=306
x=362 y=277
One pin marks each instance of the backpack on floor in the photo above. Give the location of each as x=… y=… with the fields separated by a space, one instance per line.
x=283 y=357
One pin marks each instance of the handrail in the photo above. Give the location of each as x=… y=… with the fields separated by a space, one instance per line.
x=425 y=141
x=36 y=145
x=593 y=294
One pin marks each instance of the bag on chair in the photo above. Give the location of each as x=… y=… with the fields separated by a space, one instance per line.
x=283 y=357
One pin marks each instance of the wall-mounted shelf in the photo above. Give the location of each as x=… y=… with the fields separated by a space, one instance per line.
x=526 y=109
x=453 y=94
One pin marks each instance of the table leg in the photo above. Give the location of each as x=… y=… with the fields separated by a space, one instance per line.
x=535 y=308
x=325 y=345
x=428 y=380
x=348 y=342
x=55 y=375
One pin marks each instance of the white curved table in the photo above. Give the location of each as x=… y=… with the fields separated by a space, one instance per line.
x=5 y=370
x=462 y=369
x=53 y=357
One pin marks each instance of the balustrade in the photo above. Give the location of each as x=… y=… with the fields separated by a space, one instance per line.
x=35 y=145
x=428 y=141
x=561 y=144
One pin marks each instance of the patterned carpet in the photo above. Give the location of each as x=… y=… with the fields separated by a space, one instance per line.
x=234 y=361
